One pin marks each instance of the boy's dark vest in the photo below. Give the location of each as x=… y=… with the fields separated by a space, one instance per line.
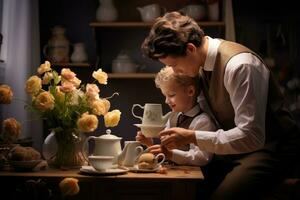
x=279 y=126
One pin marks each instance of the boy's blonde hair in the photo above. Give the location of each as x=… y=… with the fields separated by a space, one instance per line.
x=166 y=75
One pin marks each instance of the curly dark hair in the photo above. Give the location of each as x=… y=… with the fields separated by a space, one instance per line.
x=170 y=35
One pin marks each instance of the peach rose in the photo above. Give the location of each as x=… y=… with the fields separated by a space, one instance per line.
x=11 y=130
x=67 y=74
x=67 y=87
x=6 y=94
x=69 y=186
x=44 y=101
x=100 y=76
x=111 y=119
x=87 y=122
x=45 y=67
x=92 y=92
x=33 y=85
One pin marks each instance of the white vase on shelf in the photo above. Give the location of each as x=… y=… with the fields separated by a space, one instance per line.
x=106 y=12
x=79 y=54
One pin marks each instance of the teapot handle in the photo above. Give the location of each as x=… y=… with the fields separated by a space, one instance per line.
x=85 y=148
x=132 y=111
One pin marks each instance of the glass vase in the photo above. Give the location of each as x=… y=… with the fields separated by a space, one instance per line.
x=64 y=149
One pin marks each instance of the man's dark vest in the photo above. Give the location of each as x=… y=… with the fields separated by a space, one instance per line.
x=279 y=126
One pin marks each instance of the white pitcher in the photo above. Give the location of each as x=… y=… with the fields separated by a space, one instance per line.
x=152 y=114
x=130 y=153
x=106 y=12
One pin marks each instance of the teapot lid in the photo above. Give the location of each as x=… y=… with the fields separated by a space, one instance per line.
x=109 y=136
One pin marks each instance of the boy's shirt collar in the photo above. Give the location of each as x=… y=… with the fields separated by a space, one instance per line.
x=192 y=112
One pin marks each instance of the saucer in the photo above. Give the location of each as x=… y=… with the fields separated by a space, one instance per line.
x=151 y=131
x=111 y=171
x=136 y=169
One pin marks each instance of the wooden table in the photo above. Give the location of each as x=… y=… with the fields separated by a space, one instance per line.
x=179 y=182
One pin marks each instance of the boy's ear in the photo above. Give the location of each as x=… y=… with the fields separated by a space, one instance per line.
x=191 y=90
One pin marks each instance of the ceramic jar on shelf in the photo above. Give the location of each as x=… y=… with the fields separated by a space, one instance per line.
x=79 y=54
x=57 y=49
x=106 y=12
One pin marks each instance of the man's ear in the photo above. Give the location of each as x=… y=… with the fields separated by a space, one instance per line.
x=190 y=48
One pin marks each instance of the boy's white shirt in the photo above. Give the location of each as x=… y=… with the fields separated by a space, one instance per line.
x=194 y=156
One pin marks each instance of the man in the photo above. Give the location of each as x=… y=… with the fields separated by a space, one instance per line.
x=257 y=137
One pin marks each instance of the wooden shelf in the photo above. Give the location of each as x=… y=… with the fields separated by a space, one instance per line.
x=132 y=75
x=70 y=64
x=145 y=24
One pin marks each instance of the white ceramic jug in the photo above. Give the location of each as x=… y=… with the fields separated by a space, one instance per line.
x=79 y=54
x=130 y=153
x=106 y=12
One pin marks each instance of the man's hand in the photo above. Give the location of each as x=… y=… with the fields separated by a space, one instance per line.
x=176 y=137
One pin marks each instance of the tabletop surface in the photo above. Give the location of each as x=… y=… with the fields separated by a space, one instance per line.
x=167 y=173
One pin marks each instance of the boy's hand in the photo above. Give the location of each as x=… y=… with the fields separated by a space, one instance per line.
x=144 y=140
x=156 y=149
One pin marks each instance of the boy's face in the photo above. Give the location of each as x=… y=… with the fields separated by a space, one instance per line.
x=179 y=98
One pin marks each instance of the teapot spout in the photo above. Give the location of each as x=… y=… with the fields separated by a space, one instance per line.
x=166 y=117
x=121 y=156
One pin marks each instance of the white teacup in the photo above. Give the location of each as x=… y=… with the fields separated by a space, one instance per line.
x=149 y=161
x=150 y=131
x=101 y=163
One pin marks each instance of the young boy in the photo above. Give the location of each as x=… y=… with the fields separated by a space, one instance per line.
x=181 y=94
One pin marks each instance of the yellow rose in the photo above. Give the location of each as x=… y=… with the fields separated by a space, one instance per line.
x=100 y=107
x=76 y=81
x=33 y=85
x=48 y=76
x=44 y=101
x=100 y=76
x=112 y=118
x=59 y=95
x=87 y=122
x=69 y=186
x=6 y=94
x=45 y=67
x=11 y=130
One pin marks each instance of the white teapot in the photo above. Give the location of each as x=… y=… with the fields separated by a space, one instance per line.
x=149 y=12
x=123 y=64
x=105 y=145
